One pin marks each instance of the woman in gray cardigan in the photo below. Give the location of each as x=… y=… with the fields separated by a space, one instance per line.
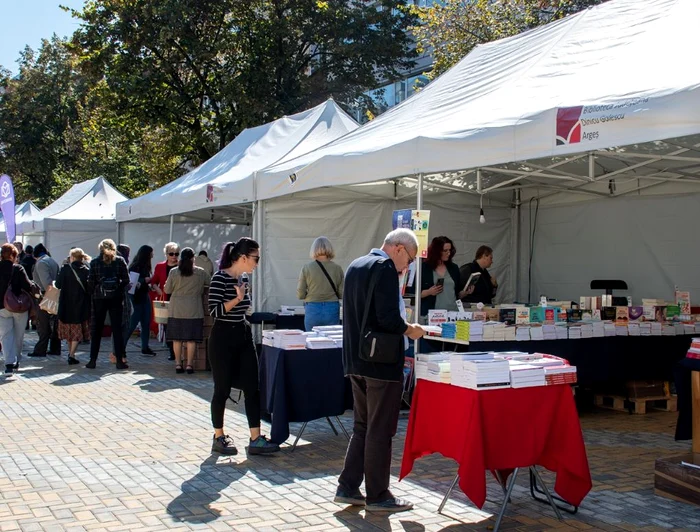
x=186 y=285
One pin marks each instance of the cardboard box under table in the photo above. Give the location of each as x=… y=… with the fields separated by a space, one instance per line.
x=500 y=431
x=302 y=386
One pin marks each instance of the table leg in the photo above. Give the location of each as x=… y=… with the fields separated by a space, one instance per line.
x=507 y=498
x=535 y=489
x=546 y=492
x=447 y=495
x=298 y=436
x=332 y=426
x=342 y=427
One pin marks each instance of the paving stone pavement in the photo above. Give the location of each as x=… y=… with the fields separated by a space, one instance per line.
x=129 y=450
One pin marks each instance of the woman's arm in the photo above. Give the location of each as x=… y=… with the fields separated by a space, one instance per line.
x=302 y=286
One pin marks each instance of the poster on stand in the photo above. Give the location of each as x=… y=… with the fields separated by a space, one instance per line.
x=419 y=222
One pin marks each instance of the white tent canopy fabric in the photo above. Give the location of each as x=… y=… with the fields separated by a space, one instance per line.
x=82 y=217
x=24 y=211
x=615 y=75
x=228 y=178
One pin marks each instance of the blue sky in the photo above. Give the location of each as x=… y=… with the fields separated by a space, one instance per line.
x=26 y=22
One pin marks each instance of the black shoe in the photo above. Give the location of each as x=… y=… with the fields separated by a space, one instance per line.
x=17 y=366
x=73 y=360
x=92 y=364
x=122 y=365
x=36 y=355
x=178 y=369
x=9 y=368
x=149 y=352
x=261 y=445
x=390 y=506
x=355 y=498
x=54 y=353
x=171 y=357
x=224 y=445
x=189 y=370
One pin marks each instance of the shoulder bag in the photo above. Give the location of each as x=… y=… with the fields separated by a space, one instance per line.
x=77 y=278
x=16 y=303
x=378 y=347
x=329 y=279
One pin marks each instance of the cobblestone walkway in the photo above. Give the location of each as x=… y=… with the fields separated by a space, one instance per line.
x=108 y=450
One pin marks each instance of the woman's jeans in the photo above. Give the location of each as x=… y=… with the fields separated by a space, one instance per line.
x=142 y=314
x=12 y=335
x=321 y=314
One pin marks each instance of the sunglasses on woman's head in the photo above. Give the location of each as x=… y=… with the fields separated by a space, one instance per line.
x=174 y=254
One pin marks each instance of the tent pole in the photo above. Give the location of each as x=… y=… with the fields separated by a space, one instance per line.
x=591 y=166
x=516 y=230
x=172 y=217
x=119 y=232
x=417 y=280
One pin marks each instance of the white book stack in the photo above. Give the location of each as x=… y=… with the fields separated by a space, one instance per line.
x=457 y=360
x=327 y=330
x=633 y=329
x=439 y=372
x=499 y=332
x=510 y=332
x=422 y=360
x=598 y=329
x=679 y=329
x=291 y=310
x=621 y=330
x=289 y=339
x=575 y=332
x=609 y=328
x=545 y=362
x=657 y=328
x=488 y=331
x=697 y=327
x=668 y=329
x=562 y=331
x=688 y=328
x=319 y=342
x=549 y=332
x=586 y=330
x=526 y=375
x=645 y=328
x=482 y=374
x=522 y=333
x=268 y=338
x=476 y=331
x=515 y=355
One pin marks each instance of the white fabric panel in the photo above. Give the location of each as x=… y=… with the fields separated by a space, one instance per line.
x=509 y=100
x=356 y=223
x=231 y=171
x=59 y=243
x=208 y=237
x=649 y=242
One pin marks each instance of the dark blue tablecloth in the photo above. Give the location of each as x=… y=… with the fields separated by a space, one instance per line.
x=301 y=385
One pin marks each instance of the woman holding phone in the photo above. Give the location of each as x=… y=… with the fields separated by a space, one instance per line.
x=440 y=286
x=234 y=362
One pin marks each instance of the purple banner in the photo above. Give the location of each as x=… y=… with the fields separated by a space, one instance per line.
x=7 y=205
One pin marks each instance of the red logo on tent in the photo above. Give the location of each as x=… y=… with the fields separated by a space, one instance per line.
x=569 y=125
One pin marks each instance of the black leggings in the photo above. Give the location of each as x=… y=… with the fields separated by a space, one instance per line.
x=234 y=364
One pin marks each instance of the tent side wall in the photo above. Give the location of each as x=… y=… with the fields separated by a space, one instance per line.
x=649 y=242
x=60 y=237
x=207 y=236
x=355 y=224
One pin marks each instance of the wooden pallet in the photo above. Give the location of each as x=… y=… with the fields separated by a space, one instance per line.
x=637 y=405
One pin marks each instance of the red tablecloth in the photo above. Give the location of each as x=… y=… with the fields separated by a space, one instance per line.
x=499 y=429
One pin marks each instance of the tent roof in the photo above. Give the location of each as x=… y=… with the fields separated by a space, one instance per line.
x=231 y=171
x=90 y=200
x=615 y=75
x=23 y=211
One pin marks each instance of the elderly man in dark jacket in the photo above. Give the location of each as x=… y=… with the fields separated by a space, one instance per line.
x=376 y=386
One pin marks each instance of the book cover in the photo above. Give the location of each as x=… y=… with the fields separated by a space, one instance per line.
x=660 y=312
x=596 y=314
x=672 y=311
x=522 y=315
x=492 y=314
x=536 y=314
x=609 y=313
x=575 y=315
x=507 y=316
x=636 y=313
x=648 y=312
x=622 y=314
x=550 y=314
x=683 y=301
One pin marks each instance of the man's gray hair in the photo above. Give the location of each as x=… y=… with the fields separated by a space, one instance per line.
x=403 y=237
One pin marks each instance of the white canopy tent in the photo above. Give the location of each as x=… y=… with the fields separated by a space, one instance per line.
x=23 y=211
x=82 y=217
x=599 y=105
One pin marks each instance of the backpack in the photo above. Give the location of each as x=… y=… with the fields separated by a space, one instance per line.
x=108 y=287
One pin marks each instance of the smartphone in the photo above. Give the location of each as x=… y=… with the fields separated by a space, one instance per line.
x=440 y=282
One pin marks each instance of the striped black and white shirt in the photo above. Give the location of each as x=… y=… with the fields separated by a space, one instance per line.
x=222 y=289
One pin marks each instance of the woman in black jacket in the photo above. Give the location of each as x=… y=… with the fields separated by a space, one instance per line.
x=74 y=302
x=140 y=298
x=440 y=286
x=12 y=324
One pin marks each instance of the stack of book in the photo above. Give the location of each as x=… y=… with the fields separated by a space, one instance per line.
x=586 y=330
x=549 y=332
x=656 y=328
x=476 y=331
x=463 y=331
x=423 y=359
x=523 y=375
x=694 y=351
x=697 y=327
x=268 y=338
x=522 y=333
x=668 y=329
x=482 y=374
x=574 y=332
x=598 y=329
x=320 y=342
x=515 y=355
x=509 y=333
x=326 y=330
x=680 y=331
x=291 y=310
x=560 y=374
x=689 y=328
x=644 y=328
x=621 y=329
x=449 y=329
x=439 y=372
x=289 y=339
x=633 y=329
x=609 y=328
x=562 y=331
x=537 y=332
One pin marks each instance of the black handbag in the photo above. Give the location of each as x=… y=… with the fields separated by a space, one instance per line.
x=378 y=347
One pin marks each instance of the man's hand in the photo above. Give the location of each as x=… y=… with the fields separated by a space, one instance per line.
x=414 y=332
x=493 y=281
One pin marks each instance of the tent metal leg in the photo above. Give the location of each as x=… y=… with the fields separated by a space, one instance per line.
x=502 y=512
x=447 y=495
x=332 y=426
x=536 y=479
x=303 y=427
x=342 y=427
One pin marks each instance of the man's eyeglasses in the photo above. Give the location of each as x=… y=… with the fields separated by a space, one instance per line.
x=254 y=257
x=410 y=259
x=174 y=254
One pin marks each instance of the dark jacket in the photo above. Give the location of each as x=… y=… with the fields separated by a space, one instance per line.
x=74 y=301
x=99 y=271
x=28 y=263
x=426 y=281
x=484 y=291
x=14 y=274
x=384 y=315
x=141 y=293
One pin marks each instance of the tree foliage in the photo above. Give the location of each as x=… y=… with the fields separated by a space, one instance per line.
x=452 y=28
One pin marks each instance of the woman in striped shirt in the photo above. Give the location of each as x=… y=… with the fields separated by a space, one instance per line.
x=232 y=356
